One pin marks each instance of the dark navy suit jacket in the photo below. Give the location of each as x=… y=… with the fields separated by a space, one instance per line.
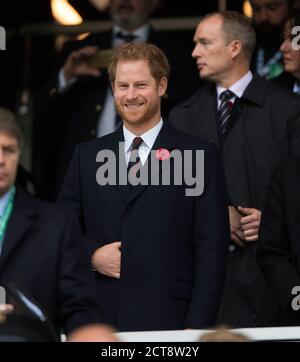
x=173 y=245
x=42 y=255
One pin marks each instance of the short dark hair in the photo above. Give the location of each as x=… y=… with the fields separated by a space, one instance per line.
x=158 y=62
x=237 y=26
x=9 y=125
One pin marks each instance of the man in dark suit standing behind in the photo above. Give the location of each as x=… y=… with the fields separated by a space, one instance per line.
x=41 y=251
x=279 y=248
x=254 y=124
x=158 y=254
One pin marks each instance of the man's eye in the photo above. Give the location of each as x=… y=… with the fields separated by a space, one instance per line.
x=256 y=9
x=272 y=7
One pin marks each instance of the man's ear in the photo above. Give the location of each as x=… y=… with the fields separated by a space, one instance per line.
x=112 y=87
x=162 y=86
x=236 y=48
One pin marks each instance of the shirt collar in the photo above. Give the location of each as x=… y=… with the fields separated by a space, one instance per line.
x=148 y=137
x=140 y=33
x=296 y=88
x=238 y=87
x=4 y=200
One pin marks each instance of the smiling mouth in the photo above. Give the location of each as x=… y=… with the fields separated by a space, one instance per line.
x=134 y=105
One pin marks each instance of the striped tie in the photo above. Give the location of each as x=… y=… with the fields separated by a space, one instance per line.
x=134 y=163
x=225 y=109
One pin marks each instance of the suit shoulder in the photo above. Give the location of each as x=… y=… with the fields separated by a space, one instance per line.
x=186 y=141
x=284 y=94
x=195 y=98
x=98 y=143
x=50 y=211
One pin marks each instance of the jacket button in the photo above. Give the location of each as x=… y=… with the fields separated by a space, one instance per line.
x=231 y=247
x=93 y=132
x=98 y=107
x=52 y=92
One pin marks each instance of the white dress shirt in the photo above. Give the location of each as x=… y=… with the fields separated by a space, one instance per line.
x=237 y=88
x=148 y=137
x=3 y=201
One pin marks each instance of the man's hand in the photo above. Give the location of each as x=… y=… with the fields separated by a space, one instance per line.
x=107 y=260
x=250 y=223
x=236 y=233
x=77 y=63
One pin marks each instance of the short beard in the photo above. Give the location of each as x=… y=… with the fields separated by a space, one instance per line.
x=150 y=113
x=269 y=36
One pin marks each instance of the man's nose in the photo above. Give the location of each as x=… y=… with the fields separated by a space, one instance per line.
x=285 y=46
x=1 y=156
x=196 y=51
x=131 y=93
x=263 y=16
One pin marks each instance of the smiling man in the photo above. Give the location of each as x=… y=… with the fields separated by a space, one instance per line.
x=158 y=255
x=81 y=90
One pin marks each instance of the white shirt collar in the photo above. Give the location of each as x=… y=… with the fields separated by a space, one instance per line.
x=141 y=33
x=238 y=88
x=296 y=88
x=148 y=137
x=3 y=201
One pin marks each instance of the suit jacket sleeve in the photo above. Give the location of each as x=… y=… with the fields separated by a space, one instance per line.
x=294 y=132
x=70 y=195
x=76 y=298
x=211 y=234
x=274 y=255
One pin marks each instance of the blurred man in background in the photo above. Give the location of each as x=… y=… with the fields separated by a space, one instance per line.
x=290 y=48
x=269 y=17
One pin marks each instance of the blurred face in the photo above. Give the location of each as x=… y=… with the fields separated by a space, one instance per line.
x=212 y=53
x=271 y=11
x=291 y=57
x=137 y=95
x=131 y=14
x=9 y=159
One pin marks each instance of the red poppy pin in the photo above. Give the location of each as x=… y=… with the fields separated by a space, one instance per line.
x=162 y=154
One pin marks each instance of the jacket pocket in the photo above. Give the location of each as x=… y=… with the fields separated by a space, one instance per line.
x=181 y=289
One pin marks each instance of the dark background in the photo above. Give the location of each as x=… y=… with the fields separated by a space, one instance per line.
x=27 y=61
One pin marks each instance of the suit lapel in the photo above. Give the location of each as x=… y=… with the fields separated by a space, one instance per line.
x=255 y=93
x=121 y=167
x=235 y=114
x=204 y=115
x=19 y=223
x=166 y=139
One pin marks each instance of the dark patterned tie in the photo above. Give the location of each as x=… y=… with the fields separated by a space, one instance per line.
x=225 y=109
x=134 y=163
x=127 y=38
